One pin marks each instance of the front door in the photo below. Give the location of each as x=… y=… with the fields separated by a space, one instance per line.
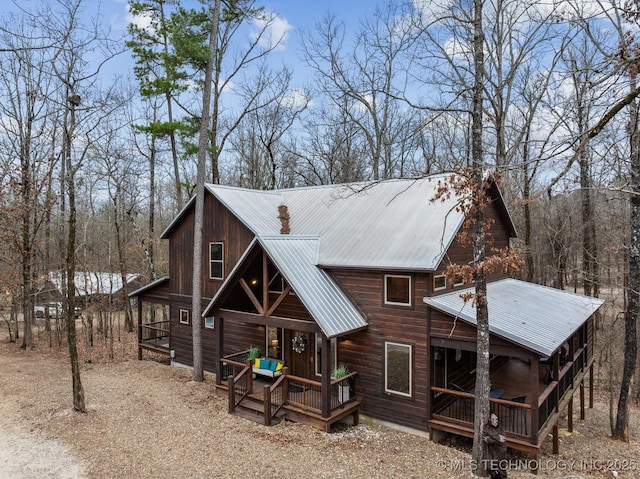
x=300 y=354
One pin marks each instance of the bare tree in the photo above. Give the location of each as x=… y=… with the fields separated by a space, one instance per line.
x=365 y=80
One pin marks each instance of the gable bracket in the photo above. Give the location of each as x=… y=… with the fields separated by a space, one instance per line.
x=252 y=296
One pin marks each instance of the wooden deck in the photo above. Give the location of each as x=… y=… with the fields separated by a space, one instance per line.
x=295 y=410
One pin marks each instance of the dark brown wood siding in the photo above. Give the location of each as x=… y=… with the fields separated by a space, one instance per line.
x=364 y=351
x=461 y=252
x=219 y=225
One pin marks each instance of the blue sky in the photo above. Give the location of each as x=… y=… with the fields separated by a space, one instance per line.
x=294 y=16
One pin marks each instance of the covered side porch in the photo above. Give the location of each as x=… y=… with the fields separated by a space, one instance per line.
x=153 y=317
x=541 y=356
x=526 y=399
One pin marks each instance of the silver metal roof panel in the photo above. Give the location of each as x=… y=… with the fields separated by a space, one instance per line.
x=295 y=257
x=393 y=224
x=537 y=317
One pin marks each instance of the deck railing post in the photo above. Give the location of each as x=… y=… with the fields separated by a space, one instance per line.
x=285 y=385
x=231 y=381
x=267 y=405
x=250 y=377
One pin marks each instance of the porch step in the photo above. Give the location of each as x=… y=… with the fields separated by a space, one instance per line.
x=254 y=411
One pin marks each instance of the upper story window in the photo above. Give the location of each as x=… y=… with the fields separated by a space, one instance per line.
x=185 y=316
x=439 y=282
x=216 y=260
x=397 y=289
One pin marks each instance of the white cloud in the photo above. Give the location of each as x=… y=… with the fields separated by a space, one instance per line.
x=274 y=31
x=296 y=99
x=141 y=21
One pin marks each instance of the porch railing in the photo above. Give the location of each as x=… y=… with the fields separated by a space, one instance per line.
x=240 y=386
x=458 y=407
x=275 y=397
x=153 y=332
x=550 y=400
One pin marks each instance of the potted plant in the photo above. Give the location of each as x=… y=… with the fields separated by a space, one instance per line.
x=343 y=387
x=253 y=353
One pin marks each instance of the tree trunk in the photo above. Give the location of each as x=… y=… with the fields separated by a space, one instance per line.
x=481 y=412
x=78 y=391
x=621 y=429
x=203 y=141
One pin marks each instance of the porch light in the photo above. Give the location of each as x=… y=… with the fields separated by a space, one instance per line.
x=254 y=282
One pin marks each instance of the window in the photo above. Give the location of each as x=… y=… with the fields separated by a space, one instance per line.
x=216 y=260
x=439 y=282
x=397 y=289
x=274 y=339
x=334 y=356
x=209 y=322
x=459 y=281
x=397 y=368
x=185 y=316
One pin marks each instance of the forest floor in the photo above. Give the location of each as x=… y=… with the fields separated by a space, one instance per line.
x=146 y=419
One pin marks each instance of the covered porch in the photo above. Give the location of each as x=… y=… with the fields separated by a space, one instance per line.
x=153 y=317
x=527 y=394
x=541 y=353
x=287 y=396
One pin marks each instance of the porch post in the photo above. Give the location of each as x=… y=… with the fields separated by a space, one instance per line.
x=591 y=386
x=570 y=413
x=325 y=367
x=218 y=330
x=582 y=416
x=535 y=393
x=139 y=308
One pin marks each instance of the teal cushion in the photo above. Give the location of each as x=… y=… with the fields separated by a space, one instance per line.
x=273 y=365
x=265 y=363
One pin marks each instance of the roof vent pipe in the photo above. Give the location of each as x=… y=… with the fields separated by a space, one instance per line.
x=283 y=214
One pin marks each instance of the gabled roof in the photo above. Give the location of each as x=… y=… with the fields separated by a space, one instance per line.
x=537 y=317
x=162 y=281
x=391 y=225
x=295 y=258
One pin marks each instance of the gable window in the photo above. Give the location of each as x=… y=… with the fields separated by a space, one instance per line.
x=398 y=373
x=209 y=322
x=439 y=282
x=397 y=289
x=185 y=316
x=216 y=260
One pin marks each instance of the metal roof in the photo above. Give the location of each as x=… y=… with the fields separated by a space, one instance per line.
x=92 y=282
x=537 y=317
x=393 y=224
x=147 y=287
x=295 y=257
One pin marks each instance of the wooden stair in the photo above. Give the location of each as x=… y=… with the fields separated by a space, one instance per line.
x=253 y=410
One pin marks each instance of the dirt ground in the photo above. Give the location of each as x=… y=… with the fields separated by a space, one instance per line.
x=146 y=419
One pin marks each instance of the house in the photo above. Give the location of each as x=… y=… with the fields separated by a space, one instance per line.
x=352 y=275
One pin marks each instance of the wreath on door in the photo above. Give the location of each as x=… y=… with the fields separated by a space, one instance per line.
x=299 y=343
